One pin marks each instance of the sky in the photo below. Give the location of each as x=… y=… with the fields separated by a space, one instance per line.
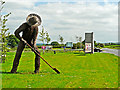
x=68 y=18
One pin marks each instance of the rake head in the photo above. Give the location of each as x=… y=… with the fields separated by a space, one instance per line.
x=56 y=70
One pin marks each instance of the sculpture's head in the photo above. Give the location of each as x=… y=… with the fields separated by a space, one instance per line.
x=33 y=19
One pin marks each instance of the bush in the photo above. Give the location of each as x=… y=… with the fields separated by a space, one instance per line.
x=82 y=53
x=58 y=46
x=12 y=41
x=100 y=45
x=74 y=46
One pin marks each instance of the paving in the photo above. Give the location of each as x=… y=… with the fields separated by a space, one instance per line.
x=112 y=51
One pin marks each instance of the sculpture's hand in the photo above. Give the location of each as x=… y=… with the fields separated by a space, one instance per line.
x=23 y=40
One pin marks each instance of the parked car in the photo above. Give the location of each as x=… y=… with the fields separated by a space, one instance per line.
x=97 y=50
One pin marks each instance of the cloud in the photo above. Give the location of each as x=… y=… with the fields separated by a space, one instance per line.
x=79 y=1
x=68 y=19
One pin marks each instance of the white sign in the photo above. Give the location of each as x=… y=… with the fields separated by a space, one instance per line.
x=87 y=47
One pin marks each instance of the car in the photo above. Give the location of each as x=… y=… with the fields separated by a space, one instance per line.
x=97 y=50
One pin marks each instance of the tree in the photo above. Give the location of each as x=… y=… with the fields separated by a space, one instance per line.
x=3 y=33
x=54 y=43
x=78 y=45
x=12 y=41
x=83 y=42
x=47 y=37
x=79 y=39
x=95 y=44
x=74 y=46
x=42 y=35
x=61 y=39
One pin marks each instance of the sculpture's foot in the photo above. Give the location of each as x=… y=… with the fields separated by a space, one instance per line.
x=13 y=71
x=36 y=71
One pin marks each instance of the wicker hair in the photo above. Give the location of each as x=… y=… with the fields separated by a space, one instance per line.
x=38 y=19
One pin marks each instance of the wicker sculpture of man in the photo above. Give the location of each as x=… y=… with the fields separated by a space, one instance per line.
x=29 y=31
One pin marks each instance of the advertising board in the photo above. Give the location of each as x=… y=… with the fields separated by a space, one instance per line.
x=87 y=47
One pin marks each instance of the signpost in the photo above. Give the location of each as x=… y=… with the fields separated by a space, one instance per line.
x=89 y=43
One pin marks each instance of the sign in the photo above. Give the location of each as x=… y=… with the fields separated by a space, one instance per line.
x=89 y=43
x=44 y=47
x=87 y=47
x=88 y=37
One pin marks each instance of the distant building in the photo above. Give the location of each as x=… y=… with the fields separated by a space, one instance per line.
x=39 y=44
x=69 y=44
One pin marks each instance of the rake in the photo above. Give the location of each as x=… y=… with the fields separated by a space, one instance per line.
x=42 y=58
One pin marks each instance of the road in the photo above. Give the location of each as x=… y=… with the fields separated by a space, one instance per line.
x=112 y=51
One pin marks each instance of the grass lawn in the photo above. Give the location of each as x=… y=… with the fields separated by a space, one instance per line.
x=97 y=70
x=113 y=46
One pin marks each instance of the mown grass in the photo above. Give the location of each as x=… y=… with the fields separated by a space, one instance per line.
x=97 y=70
x=113 y=46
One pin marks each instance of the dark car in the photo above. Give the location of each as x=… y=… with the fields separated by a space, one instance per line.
x=97 y=50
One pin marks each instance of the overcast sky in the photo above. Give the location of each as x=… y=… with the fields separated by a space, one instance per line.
x=68 y=18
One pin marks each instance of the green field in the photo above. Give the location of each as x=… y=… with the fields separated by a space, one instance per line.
x=97 y=70
x=112 y=46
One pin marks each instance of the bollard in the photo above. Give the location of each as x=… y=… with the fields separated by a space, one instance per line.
x=54 y=52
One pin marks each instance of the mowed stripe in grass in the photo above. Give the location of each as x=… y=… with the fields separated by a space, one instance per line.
x=97 y=70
